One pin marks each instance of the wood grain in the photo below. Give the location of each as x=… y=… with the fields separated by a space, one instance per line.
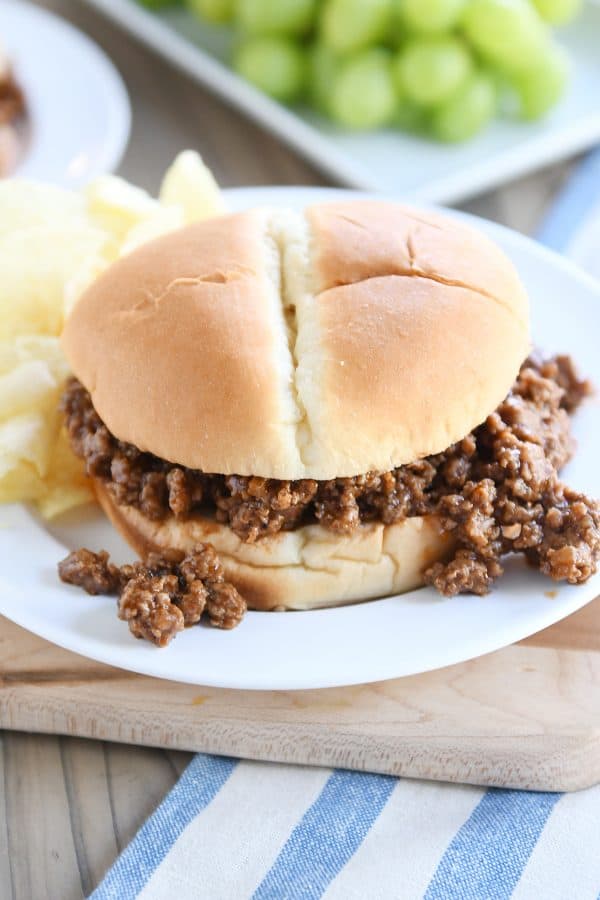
x=578 y=632
x=69 y=806
x=526 y=717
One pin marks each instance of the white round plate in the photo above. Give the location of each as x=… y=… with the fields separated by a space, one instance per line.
x=371 y=641
x=78 y=109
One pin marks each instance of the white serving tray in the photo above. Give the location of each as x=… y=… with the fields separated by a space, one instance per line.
x=420 y=170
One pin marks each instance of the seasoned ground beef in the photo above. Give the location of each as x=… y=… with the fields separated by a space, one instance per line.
x=497 y=490
x=163 y=594
x=91 y=571
x=512 y=499
x=12 y=103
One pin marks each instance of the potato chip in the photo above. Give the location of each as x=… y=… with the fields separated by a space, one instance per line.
x=20 y=483
x=60 y=498
x=30 y=385
x=41 y=346
x=53 y=244
x=26 y=204
x=9 y=356
x=168 y=218
x=35 y=264
x=27 y=437
x=83 y=275
x=190 y=184
x=28 y=347
x=44 y=232
x=66 y=484
x=117 y=205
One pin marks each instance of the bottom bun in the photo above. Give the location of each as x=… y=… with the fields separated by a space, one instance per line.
x=308 y=568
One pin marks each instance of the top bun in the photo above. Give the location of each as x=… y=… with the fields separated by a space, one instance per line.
x=356 y=336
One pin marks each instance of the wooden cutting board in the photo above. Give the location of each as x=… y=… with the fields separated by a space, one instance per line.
x=527 y=716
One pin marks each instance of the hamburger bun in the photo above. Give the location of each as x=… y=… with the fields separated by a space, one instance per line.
x=308 y=568
x=354 y=337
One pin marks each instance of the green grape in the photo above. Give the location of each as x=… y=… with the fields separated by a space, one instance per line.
x=507 y=33
x=541 y=87
x=430 y=69
x=558 y=12
x=507 y=102
x=275 y=16
x=349 y=25
x=468 y=110
x=217 y=11
x=410 y=117
x=157 y=4
x=429 y=15
x=275 y=65
x=323 y=66
x=363 y=94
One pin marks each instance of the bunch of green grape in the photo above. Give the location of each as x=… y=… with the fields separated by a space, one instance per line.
x=438 y=67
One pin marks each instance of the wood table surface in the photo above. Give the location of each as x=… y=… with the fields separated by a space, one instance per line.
x=69 y=806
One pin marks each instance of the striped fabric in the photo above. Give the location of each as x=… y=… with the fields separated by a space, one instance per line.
x=233 y=830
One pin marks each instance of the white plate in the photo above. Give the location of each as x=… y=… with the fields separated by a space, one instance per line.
x=79 y=116
x=354 y=644
x=419 y=170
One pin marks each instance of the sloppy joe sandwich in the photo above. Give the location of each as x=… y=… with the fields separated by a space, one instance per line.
x=342 y=401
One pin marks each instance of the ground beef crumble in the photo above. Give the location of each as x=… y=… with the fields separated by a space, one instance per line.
x=162 y=595
x=497 y=490
x=91 y=571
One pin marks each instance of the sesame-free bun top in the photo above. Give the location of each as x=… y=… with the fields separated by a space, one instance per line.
x=355 y=336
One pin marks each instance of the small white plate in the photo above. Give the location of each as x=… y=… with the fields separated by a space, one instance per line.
x=371 y=641
x=419 y=170
x=78 y=109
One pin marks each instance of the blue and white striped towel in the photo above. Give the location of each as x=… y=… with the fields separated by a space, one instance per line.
x=232 y=830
